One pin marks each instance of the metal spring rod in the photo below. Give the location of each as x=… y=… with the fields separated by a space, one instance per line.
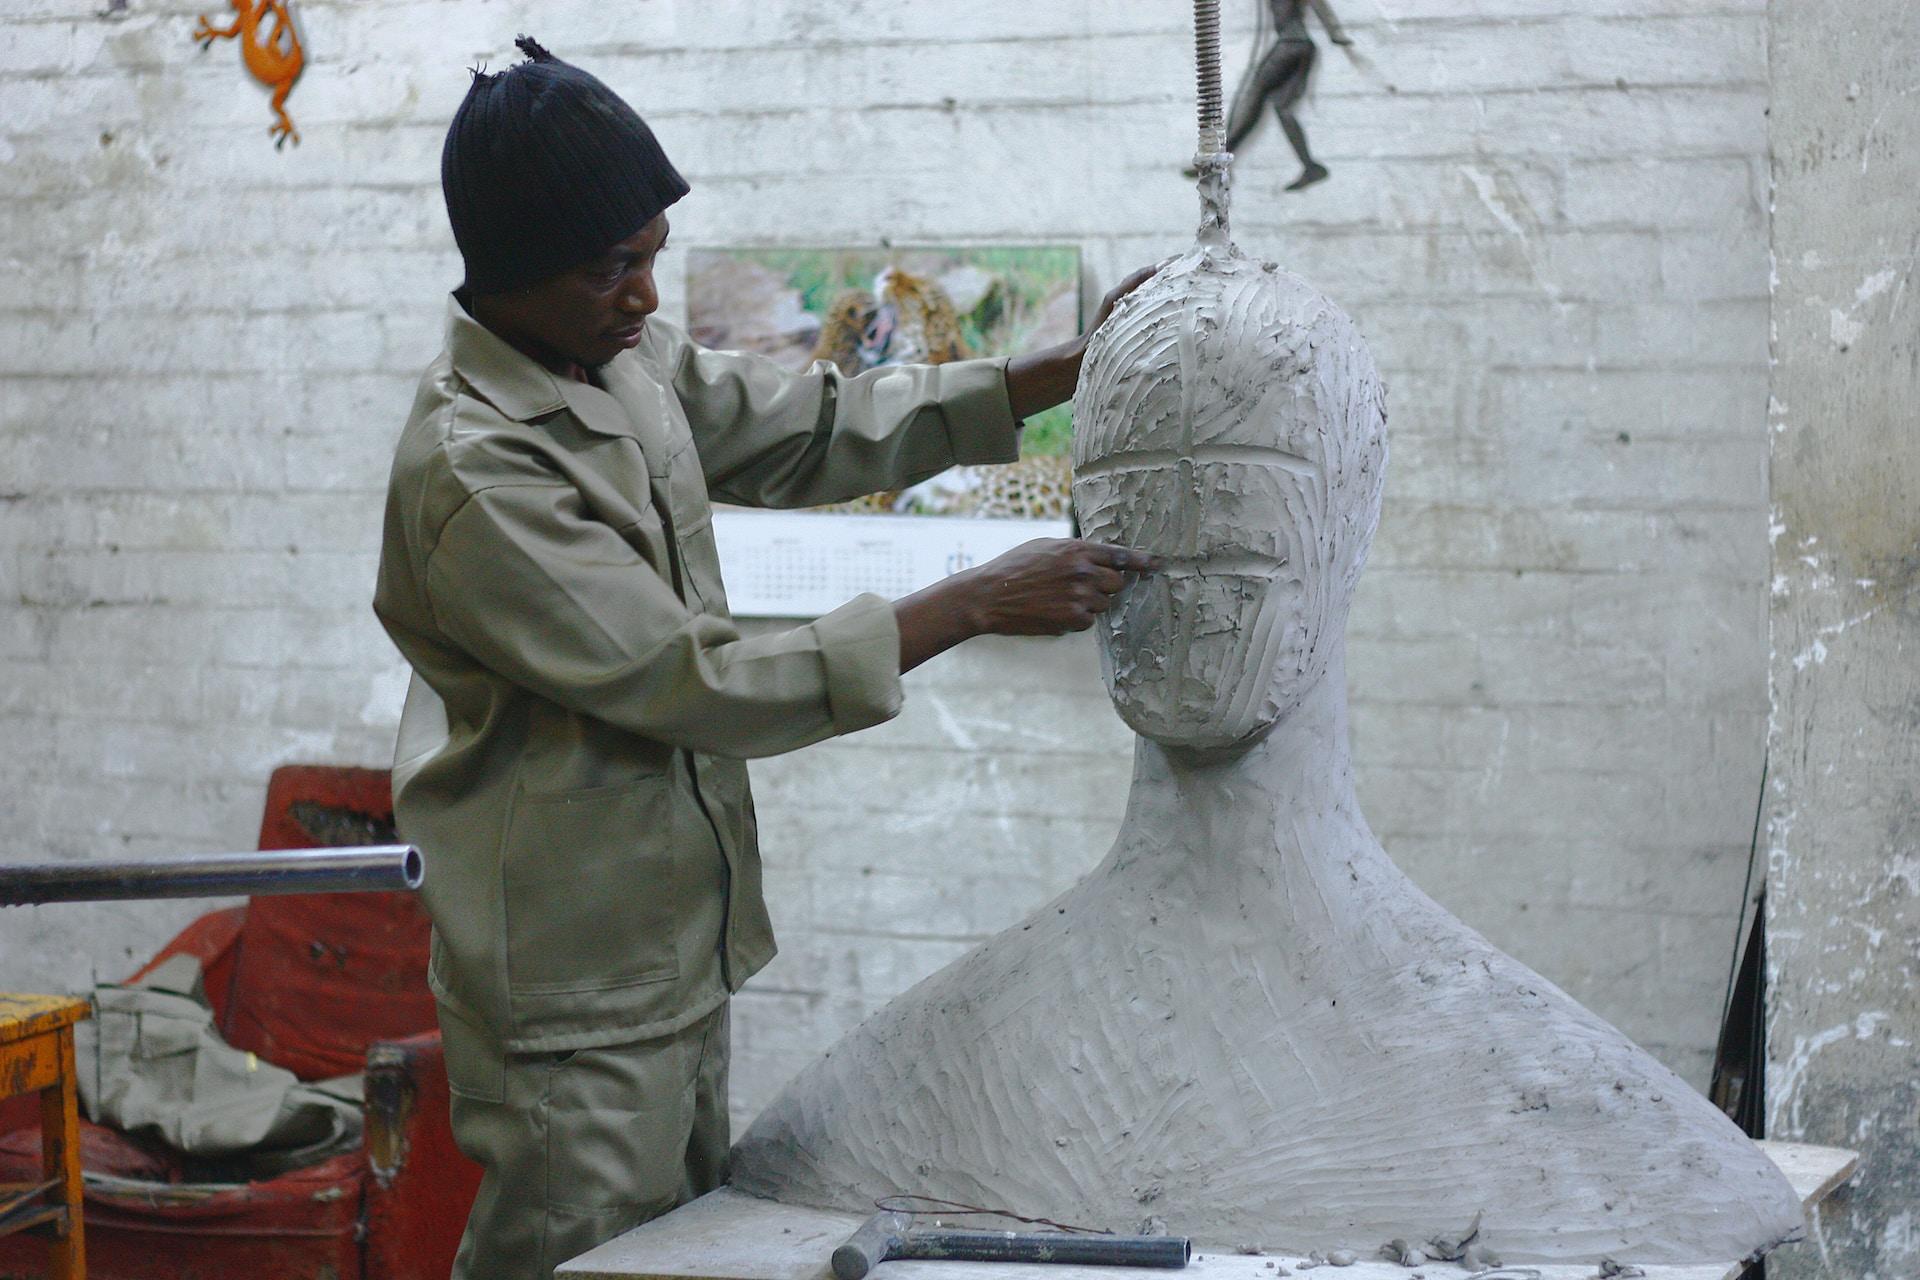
x=372 y=868
x=1206 y=31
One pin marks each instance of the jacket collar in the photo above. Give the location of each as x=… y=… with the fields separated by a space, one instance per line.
x=511 y=381
x=520 y=386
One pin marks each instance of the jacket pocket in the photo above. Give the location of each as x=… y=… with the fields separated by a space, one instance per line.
x=703 y=570
x=589 y=888
x=648 y=536
x=475 y=1065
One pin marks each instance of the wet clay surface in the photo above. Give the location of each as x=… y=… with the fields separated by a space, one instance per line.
x=1247 y=1022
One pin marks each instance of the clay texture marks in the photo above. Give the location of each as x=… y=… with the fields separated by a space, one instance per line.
x=1221 y=394
x=1246 y=1021
x=1232 y=1028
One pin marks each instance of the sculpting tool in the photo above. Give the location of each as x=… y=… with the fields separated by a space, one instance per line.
x=888 y=1235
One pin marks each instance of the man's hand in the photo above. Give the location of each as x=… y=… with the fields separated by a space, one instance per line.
x=1041 y=588
x=1051 y=585
x=1046 y=378
x=1112 y=300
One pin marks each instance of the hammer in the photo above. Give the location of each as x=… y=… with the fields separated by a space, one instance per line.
x=885 y=1236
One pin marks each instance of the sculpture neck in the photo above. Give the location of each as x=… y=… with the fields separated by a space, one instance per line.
x=1215 y=185
x=1288 y=795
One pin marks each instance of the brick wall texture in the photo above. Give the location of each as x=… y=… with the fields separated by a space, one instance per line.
x=1550 y=224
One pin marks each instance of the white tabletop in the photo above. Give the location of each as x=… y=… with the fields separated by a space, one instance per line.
x=730 y=1236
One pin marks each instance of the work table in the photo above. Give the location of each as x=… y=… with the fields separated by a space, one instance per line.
x=726 y=1235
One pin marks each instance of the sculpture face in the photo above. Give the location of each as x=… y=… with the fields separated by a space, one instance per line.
x=1231 y=422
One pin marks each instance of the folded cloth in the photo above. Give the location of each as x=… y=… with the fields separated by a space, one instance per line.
x=151 y=1063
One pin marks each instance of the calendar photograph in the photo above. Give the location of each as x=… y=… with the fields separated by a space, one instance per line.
x=862 y=308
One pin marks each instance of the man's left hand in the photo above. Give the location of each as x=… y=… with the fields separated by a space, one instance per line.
x=1113 y=297
x=1047 y=378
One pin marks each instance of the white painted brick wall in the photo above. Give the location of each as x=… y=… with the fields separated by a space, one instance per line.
x=1550 y=224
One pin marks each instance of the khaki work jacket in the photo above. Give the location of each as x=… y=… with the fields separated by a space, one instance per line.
x=570 y=755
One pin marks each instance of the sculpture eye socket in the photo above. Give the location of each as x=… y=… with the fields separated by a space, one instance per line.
x=1226 y=564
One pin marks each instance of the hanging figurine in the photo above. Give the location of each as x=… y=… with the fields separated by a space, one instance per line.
x=1280 y=76
x=275 y=59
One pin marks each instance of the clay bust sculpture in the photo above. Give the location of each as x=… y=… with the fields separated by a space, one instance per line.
x=1247 y=1022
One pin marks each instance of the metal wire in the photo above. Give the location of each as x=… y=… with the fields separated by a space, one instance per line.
x=957 y=1209
x=384 y=867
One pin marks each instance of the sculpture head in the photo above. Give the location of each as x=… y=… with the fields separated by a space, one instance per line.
x=1230 y=420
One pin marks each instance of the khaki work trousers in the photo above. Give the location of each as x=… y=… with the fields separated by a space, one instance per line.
x=578 y=1147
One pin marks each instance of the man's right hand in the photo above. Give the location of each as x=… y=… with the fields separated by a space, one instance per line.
x=1041 y=588
x=1051 y=585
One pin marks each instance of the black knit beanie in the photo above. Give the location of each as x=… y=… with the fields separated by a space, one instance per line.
x=544 y=167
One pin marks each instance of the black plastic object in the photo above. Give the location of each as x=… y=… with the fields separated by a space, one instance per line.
x=887 y=1236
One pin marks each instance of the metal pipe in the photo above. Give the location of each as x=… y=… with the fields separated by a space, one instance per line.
x=1088 y=1250
x=371 y=868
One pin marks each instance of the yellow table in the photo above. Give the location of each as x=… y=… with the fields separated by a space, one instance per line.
x=36 y=1054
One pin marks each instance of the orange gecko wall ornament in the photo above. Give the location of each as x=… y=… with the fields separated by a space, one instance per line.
x=275 y=60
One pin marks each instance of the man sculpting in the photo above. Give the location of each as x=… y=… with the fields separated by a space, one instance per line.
x=570 y=755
